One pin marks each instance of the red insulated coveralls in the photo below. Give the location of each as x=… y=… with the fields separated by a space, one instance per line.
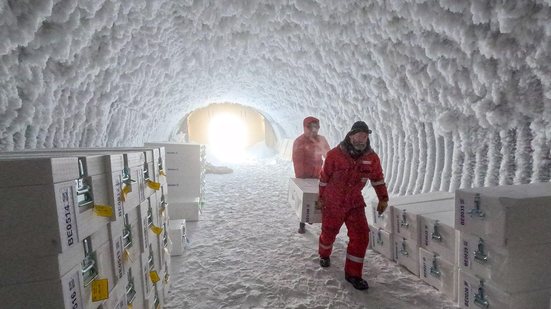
x=341 y=182
x=308 y=152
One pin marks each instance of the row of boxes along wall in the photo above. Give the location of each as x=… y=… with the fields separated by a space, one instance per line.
x=186 y=183
x=481 y=247
x=86 y=228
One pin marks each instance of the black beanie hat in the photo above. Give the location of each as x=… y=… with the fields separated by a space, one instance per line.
x=359 y=126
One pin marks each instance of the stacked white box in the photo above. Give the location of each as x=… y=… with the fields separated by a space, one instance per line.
x=187 y=209
x=476 y=293
x=438 y=272
x=438 y=252
x=439 y=235
x=185 y=165
x=177 y=234
x=382 y=241
x=407 y=230
x=55 y=265
x=303 y=198
x=383 y=235
x=65 y=292
x=506 y=215
x=505 y=245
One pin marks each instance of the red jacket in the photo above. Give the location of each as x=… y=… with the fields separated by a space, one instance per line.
x=308 y=152
x=343 y=178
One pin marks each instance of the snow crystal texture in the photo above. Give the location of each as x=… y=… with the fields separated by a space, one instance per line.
x=458 y=92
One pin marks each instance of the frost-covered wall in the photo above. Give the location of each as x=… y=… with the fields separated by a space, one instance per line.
x=458 y=92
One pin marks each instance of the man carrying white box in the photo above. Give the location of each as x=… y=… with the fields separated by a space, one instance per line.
x=308 y=152
x=345 y=172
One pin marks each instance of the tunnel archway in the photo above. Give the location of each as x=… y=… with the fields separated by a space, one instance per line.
x=231 y=131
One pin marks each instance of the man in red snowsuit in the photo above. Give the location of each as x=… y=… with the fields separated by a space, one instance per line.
x=345 y=172
x=308 y=150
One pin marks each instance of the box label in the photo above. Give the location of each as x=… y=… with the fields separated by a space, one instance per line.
x=67 y=215
x=465 y=253
x=426 y=235
x=117 y=187
x=118 y=256
x=424 y=267
x=462 y=211
x=466 y=293
x=71 y=292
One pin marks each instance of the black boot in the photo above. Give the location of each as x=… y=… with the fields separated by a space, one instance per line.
x=357 y=282
x=302 y=228
x=325 y=261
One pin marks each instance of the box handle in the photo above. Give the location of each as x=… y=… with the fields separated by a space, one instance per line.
x=435 y=233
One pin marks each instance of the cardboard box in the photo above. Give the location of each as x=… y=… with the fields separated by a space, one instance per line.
x=477 y=293
x=507 y=216
x=303 y=198
x=438 y=272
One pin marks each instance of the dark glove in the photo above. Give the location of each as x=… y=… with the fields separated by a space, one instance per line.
x=381 y=207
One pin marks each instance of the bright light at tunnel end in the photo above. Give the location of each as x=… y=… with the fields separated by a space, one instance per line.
x=227 y=138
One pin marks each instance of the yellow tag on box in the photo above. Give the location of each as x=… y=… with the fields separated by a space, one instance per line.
x=162 y=173
x=127 y=189
x=154 y=185
x=127 y=256
x=130 y=306
x=103 y=210
x=157 y=230
x=154 y=276
x=100 y=289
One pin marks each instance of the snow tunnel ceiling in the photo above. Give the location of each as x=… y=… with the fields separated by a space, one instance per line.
x=458 y=93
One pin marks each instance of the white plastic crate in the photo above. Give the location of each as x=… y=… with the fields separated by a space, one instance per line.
x=438 y=272
x=303 y=198
x=382 y=242
x=475 y=292
x=439 y=235
x=513 y=270
x=506 y=215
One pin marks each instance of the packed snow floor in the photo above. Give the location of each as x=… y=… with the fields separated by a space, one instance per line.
x=245 y=252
